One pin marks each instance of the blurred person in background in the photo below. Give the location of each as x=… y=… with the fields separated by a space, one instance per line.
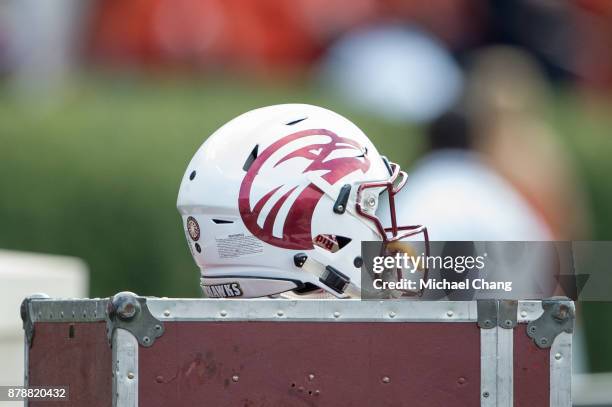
x=458 y=195
x=506 y=99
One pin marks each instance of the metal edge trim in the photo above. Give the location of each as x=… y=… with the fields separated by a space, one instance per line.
x=125 y=369
x=311 y=310
x=505 y=367
x=170 y=309
x=488 y=367
x=68 y=310
x=561 y=371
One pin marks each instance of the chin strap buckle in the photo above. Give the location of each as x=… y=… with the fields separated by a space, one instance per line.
x=339 y=284
x=334 y=279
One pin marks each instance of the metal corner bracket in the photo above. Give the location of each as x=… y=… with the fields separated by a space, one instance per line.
x=559 y=316
x=129 y=311
x=507 y=313
x=487 y=313
x=492 y=313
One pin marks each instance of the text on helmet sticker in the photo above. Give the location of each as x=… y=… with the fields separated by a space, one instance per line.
x=238 y=245
x=222 y=290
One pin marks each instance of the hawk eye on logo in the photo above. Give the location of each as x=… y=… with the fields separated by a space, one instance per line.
x=296 y=225
x=193 y=228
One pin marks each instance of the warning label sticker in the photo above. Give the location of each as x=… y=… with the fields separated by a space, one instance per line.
x=238 y=245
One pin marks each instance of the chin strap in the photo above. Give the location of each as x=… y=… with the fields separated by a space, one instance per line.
x=353 y=291
x=338 y=283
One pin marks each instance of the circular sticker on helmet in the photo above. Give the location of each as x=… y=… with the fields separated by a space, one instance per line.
x=193 y=228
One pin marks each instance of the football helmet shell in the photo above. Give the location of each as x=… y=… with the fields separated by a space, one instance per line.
x=280 y=198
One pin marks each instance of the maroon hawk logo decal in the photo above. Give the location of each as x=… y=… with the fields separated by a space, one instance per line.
x=296 y=229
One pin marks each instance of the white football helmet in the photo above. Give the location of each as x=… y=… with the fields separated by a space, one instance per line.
x=280 y=198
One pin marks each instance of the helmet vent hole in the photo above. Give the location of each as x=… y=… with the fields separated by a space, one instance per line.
x=252 y=156
x=343 y=241
x=291 y=123
x=192 y=175
x=222 y=221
